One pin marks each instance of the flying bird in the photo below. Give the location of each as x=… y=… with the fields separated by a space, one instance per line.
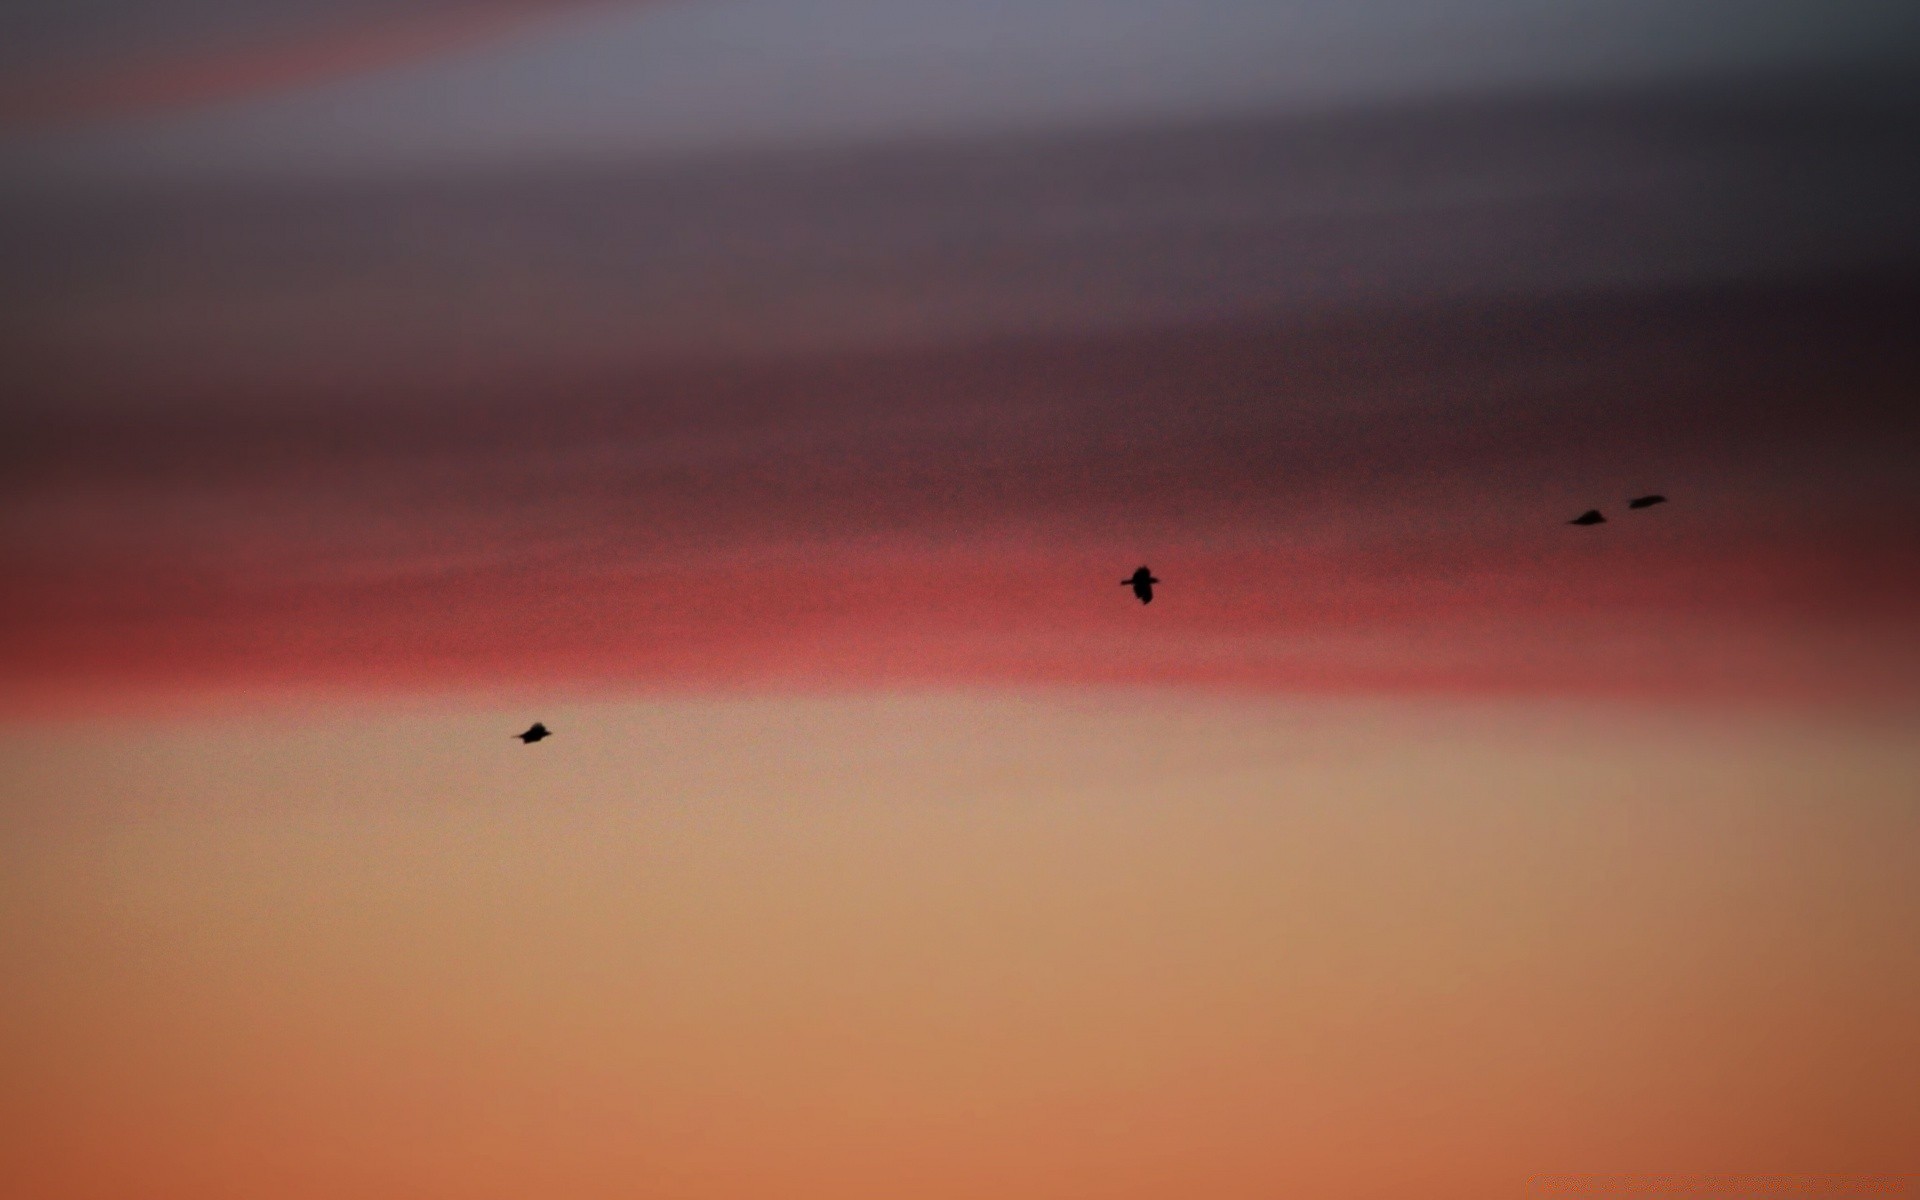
x=1646 y=501
x=534 y=734
x=1590 y=517
x=1142 y=584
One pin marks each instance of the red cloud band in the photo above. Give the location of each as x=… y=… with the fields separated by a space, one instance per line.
x=966 y=515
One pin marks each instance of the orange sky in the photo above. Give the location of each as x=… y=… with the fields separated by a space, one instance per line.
x=956 y=946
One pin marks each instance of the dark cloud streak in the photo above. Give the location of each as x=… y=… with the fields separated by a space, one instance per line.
x=278 y=289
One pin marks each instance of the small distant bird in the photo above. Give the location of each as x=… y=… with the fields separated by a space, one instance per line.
x=1646 y=501
x=1142 y=584
x=1590 y=517
x=535 y=734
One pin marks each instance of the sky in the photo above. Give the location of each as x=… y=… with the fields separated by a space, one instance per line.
x=769 y=396
x=205 y=86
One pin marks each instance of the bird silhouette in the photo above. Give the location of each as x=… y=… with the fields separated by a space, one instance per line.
x=1590 y=517
x=1646 y=501
x=534 y=734
x=1142 y=584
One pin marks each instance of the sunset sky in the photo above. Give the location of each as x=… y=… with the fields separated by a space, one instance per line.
x=769 y=396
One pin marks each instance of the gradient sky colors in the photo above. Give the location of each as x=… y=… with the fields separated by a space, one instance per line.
x=769 y=398
x=958 y=946
x=795 y=525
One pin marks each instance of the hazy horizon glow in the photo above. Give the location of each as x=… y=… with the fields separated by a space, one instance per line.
x=1004 y=945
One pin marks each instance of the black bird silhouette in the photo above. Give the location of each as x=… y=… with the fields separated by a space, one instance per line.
x=1142 y=585
x=1590 y=517
x=1646 y=501
x=534 y=734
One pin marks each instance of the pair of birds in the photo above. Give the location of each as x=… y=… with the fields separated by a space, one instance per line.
x=1592 y=516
